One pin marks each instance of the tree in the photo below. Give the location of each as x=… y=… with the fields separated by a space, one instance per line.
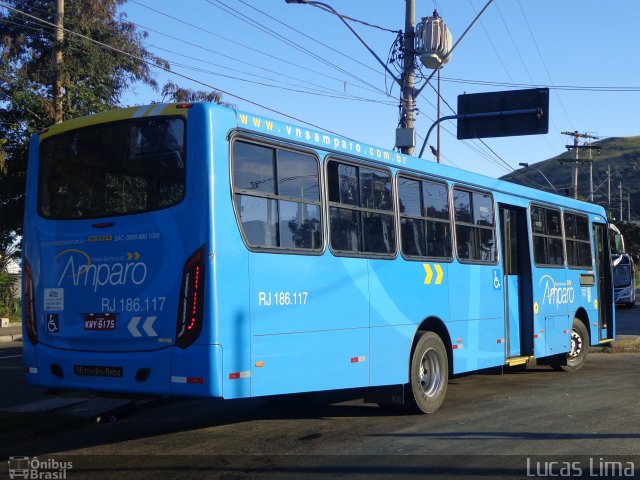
x=93 y=79
x=173 y=92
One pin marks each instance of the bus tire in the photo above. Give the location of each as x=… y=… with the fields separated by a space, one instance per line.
x=579 y=347
x=429 y=374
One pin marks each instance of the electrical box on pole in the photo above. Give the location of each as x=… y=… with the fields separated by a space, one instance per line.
x=503 y=114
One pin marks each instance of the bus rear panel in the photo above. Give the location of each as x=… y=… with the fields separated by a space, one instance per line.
x=116 y=255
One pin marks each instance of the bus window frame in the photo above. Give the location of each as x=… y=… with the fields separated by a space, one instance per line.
x=260 y=141
x=471 y=190
x=185 y=150
x=421 y=178
x=357 y=162
x=589 y=232
x=563 y=265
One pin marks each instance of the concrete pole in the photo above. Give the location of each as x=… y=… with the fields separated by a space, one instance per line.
x=408 y=77
x=620 y=185
x=609 y=180
x=438 y=118
x=575 y=166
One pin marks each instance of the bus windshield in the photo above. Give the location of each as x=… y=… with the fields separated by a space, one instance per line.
x=622 y=271
x=113 y=169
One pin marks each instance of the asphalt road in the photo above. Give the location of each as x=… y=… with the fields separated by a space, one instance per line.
x=628 y=319
x=538 y=415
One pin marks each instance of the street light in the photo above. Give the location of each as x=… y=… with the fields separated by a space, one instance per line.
x=526 y=165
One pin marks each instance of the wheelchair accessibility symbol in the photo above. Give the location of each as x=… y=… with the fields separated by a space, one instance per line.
x=496 y=280
x=53 y=323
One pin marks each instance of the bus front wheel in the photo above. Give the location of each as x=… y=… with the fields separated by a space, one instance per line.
x=579 y=347
x=429 y=373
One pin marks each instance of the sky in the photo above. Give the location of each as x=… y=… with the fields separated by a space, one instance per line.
x=284 y=60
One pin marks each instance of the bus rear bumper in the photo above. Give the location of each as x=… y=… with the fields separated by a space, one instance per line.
x=169 y=371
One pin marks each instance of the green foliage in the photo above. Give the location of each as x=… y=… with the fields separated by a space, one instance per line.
x=172 y=92
x=631 y=233
x=94 y=79
x=9 y=296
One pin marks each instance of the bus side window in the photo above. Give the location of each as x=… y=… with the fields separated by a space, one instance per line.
x=578 y=240
x=425 y=225
x=360 y=209
x=546 y=231
x=277 y=197
x=475 y=226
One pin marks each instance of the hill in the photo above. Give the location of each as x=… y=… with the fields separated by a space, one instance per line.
x=620 y=154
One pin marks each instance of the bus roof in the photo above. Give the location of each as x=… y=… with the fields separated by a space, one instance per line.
x=330 y=142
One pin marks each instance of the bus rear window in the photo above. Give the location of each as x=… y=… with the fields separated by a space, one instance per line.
x=113 y=169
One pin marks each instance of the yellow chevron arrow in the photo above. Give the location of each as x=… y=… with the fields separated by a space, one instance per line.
x=429 y=276
x=439 y=274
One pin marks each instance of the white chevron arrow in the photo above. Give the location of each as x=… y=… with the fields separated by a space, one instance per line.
x=133 y=326
x=148 y=326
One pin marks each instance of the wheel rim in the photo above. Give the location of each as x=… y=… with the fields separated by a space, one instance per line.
x=430 y=373
x=576 y=344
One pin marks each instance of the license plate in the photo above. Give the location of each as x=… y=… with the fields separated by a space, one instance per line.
x=106 y=321
x=97 y=371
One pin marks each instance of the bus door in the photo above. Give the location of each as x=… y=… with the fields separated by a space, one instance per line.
x=604 y=276
x=516 y=278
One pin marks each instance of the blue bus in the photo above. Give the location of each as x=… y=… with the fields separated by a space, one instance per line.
x=195 y=250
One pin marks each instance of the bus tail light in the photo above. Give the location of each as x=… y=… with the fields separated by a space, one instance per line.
x=29 y=304
x=191 y=301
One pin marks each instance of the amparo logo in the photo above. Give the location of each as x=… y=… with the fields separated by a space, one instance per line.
x=83 y=272
x=556 y=293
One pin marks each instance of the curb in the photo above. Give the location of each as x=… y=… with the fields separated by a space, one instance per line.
x=623 y=344
x=11 y=338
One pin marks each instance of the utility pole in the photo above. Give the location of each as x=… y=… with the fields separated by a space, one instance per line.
x=628 y=207
x=57 y=49
x=609 y=195
x=408 y=74
x=576 y=136
x=620 y=185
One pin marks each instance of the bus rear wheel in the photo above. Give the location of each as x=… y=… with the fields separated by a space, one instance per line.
x=429 y=374
x=579 y=347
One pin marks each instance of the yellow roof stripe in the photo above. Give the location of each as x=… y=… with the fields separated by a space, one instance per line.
x=155 y=109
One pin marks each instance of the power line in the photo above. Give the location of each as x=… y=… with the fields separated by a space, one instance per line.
x=244 y=62
x=577 y=88
x=323 y=91
x=311 y=38
x=544 y=64
x=253 y=49
x=345 y=17
x=495 y=50
x=231 y=11
x=152 y=64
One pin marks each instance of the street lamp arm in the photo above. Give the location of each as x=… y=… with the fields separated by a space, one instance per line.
x=526 y=165
x=333 y=10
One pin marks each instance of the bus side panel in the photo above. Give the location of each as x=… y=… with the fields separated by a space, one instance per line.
x=476 y=304
x=229 y=285
x=550 y=295
x=557 y=330
x=585 y=297
x=310 y=361
x=197 y=370
x=310 y=319
x=403 y=294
